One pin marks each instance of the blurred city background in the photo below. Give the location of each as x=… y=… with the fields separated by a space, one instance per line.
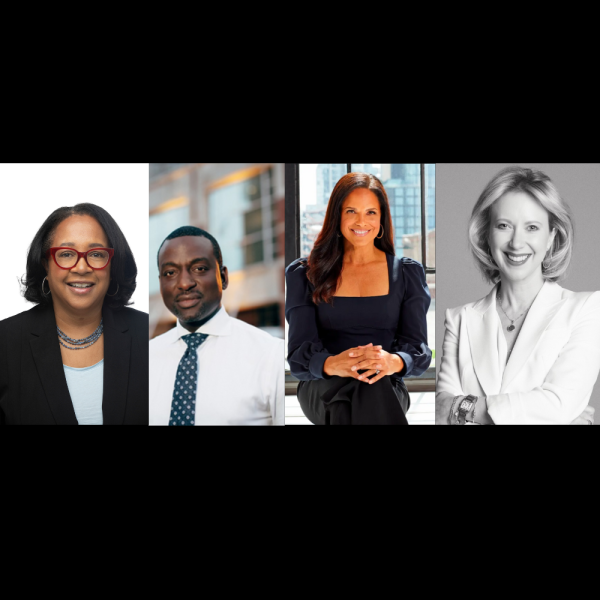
x=242 y=206
x=402 y=183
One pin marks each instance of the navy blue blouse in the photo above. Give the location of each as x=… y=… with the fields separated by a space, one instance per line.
x=396 y=321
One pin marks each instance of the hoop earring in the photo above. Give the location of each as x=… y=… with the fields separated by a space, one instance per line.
x=382 y=232
x=115 y=292
x=44 y=293
x=547 y=265
x=491 y=257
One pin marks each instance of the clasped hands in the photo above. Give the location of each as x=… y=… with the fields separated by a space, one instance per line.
x=367 y=358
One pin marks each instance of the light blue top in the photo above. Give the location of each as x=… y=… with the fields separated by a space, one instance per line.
x=85 y=387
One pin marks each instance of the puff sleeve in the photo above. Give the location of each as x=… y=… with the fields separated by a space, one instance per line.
x=411 y=336
x=306 y=354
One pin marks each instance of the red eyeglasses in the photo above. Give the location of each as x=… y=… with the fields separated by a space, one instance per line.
x=67 y=258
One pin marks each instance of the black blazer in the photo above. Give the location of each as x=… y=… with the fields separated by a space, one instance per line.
x=33 y=386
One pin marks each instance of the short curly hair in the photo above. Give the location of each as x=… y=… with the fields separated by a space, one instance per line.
x=539 y=187
x=123 y=269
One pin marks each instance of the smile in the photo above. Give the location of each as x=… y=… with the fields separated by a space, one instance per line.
x=516 y=259
x=81 y=288
x=360 y=232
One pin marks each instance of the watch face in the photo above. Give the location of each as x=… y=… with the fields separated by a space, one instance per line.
x=466 y=406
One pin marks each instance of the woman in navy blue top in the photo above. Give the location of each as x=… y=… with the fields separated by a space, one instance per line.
x=356 y=313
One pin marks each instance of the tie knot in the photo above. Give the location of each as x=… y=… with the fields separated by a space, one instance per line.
x=193 y=340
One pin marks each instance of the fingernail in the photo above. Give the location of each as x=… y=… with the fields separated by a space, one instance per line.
x=351 y=354
x=379 y=366
x=354 y=368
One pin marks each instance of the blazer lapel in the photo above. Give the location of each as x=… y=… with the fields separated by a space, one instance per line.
x=117 y=350
x=483 y=330
x=544 y=308
x=48 y=362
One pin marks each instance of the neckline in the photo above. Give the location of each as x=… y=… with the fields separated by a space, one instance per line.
x=388 y=261
x=83 y=368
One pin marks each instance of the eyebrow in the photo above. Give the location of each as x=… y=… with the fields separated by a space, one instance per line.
x=72 y=244
x=354 y=208
x=527 y=223
x=191 y=262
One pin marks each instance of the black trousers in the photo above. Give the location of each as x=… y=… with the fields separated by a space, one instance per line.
x=347 y=401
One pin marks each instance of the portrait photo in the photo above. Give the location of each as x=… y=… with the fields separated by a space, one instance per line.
x=216 y=294
x=74 y=294
x=360 y=293
x=518 y=320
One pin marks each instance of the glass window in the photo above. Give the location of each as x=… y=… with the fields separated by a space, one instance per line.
x=161 y=225
x=243 y=219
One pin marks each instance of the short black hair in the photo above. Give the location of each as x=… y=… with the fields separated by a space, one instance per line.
x=194 y=231
x=123 y=269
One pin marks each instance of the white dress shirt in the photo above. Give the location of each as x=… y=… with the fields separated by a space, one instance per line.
x=240 y=374
x=551 y=372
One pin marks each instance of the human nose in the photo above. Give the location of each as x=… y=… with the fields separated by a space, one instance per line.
x=516 y=240
x=82 y=266
x=186 y=281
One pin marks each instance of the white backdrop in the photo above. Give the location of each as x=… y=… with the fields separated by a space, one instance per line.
x=30 y=192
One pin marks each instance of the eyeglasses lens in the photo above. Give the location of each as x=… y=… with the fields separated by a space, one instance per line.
x=96 y=258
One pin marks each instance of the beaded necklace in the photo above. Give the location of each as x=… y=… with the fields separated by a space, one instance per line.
x=83 y=343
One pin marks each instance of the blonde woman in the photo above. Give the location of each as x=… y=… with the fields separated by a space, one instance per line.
x=529 y=352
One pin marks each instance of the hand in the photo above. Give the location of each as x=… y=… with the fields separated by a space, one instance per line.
x=341 y=364
x=373 y=359
x=585 y=418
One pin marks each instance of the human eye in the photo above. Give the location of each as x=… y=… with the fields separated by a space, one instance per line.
x=372 y=212
x=200 y=268
x=502 y=225
x=349 y=210
x=65 y=253
x=533 y=228
x=168 y=273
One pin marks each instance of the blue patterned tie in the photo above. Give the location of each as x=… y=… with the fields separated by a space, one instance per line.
x=183 y=406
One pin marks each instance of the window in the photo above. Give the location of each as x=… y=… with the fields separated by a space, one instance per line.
x=411 y=193
x=253 y=198
x=164 y=219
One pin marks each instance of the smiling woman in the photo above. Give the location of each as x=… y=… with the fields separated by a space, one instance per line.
x=529 y=352
x=356 y=313
x=79 y=356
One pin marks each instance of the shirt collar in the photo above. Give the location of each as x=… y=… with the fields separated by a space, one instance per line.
x=220 y=324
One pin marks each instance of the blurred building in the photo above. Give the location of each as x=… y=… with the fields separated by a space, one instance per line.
x=242 y=206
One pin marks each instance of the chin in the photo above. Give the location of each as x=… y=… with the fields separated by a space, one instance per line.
x=186 y=317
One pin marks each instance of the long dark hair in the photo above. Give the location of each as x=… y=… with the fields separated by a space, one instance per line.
x=123 y=270
x=326 y=259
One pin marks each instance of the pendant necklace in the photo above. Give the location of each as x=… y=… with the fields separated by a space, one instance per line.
x=82 y=343
x=511 y=327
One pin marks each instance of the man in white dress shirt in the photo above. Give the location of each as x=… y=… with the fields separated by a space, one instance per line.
x=240 y=369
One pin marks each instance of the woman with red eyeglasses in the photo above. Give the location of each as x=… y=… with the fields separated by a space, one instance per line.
x=80 y=356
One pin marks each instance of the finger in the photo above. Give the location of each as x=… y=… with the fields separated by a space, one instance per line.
x=377 y=377
x=365 y=376
x=365 y=364
x=358 y=351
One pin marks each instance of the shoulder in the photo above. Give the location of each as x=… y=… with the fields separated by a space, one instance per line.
x=586 y=301
x=454 y=315
x=134 y=320
x=299 y=289
x=164 y=338
x=407 y=267
x=254 y=335
x=296 y=271
x=17 y=321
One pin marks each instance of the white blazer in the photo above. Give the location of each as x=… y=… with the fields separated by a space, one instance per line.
x=554 y=364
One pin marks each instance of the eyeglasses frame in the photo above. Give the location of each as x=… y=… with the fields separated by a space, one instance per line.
x=80 y=255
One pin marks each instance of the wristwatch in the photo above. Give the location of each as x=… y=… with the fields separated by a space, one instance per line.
x=466 y=405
